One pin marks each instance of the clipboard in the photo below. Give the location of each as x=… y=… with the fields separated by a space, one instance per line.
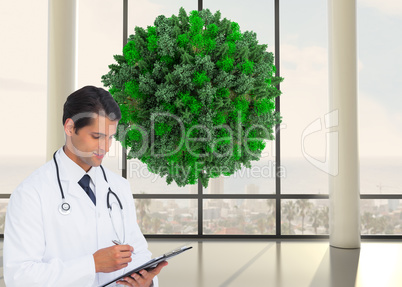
x=150 y=264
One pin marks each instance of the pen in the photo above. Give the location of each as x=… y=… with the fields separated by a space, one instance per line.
x=118 y=243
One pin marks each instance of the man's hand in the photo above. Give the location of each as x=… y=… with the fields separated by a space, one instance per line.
x=144 y=279
x=112 y=258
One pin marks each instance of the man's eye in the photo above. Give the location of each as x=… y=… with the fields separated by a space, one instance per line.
x=96 y=137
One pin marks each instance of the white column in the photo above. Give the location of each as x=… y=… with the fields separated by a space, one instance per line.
x=344 y=155
x=62 y=65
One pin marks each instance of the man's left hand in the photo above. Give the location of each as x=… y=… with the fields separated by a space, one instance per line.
x=144 y=279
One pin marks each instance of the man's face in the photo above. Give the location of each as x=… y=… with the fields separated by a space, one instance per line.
x=89 y=145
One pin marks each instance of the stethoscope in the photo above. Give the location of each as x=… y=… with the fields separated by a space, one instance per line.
x=65 y=208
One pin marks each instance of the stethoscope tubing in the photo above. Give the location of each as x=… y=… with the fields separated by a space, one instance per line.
x=65 y=207
x=58 y=175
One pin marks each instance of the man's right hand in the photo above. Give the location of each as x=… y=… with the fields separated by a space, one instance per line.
x=112 y=258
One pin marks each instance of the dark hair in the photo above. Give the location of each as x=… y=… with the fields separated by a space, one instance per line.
x=92 y=100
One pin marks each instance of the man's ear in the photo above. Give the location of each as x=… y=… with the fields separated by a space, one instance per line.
x=69 y=127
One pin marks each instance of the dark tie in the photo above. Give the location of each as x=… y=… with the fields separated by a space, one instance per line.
x=84 y=183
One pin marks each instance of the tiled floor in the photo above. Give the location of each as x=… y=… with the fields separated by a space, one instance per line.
x=280 y=264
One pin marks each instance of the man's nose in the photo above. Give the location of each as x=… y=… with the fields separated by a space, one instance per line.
x=104 y=145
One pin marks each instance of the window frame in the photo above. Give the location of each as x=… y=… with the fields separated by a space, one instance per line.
x=277 y=196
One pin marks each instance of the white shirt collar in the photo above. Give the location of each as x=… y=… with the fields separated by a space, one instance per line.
x=73 y=171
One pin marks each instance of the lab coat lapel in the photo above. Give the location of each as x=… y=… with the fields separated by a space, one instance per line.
x=70 y=174
x=74 y=190
x=101 y=188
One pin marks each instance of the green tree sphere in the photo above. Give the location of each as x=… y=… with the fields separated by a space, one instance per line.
x=197 y=96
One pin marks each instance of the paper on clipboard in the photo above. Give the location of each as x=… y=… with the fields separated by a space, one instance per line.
x=149 y=265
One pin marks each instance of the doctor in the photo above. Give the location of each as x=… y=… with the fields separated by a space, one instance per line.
x=62 y=219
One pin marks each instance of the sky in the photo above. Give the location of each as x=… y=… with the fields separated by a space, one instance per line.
x=304 y=65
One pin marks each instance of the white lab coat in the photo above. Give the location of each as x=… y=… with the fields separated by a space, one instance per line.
x=45 y=248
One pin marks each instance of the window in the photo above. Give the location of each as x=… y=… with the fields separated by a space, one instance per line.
x=23 y=94
x=252 y=203
x=241 y=204
x=380 y=118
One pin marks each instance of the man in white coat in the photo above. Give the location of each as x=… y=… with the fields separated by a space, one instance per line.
x=59 y=229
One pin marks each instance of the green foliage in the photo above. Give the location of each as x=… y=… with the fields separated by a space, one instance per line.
x=197 y=96
x=200 y=78
x=152 y=39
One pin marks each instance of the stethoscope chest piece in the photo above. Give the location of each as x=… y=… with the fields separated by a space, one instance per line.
x=64 y=208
